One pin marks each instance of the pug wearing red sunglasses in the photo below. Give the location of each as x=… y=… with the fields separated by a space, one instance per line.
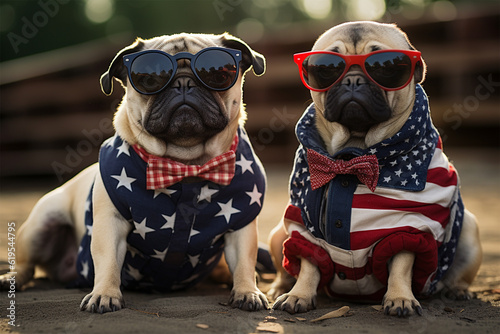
x=174 y=189
x=375 y=211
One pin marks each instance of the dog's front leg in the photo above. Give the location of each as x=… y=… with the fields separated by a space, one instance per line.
x=108 y=248
x=240 y=250
x=284 y=281
x=399 y=299
x=302 y=297
x=467 y=261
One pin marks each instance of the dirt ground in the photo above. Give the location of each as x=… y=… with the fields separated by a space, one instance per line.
x=48 y=308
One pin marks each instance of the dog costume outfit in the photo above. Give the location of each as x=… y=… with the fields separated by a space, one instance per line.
x=349 y=217
x=178 y=230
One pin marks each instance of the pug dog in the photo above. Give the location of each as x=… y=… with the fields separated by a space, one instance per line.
x=177 y=186
x=375 y=211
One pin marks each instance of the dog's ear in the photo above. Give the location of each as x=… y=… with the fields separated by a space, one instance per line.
x=420 y=68
x=420 y=71
x=250 y=57
x=117 y=69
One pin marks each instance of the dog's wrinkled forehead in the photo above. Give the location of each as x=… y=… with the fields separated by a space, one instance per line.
x=362 y=38
x=191 y=43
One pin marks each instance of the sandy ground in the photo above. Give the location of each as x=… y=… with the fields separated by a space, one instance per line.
x=45 y=307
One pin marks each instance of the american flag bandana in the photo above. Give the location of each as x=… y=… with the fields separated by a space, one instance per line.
x=351 y=231
x=177 y=234
x=163 y=172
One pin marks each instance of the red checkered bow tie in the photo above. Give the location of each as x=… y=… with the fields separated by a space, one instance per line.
x=163 y=172
x=323 y=169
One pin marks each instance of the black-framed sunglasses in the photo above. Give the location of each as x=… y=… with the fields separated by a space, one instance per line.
x=151 y=71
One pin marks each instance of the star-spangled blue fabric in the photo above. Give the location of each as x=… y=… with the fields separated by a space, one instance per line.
x=403 y=160
x=409 y=150
x=177 y=234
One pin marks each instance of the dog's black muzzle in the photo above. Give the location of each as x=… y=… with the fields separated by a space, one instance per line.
x=356 y=103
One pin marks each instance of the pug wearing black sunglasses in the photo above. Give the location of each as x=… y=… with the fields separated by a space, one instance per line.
x=174 y=189
x=375 y=211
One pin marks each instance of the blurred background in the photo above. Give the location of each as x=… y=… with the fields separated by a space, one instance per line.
x=54 y=115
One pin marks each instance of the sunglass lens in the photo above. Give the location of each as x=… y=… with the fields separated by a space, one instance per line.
x=320 y=71
x=150 y=72
x=216 y=69
x=389 y=69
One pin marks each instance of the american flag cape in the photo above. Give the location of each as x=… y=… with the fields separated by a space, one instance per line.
x=178 y=232
x=351 y=232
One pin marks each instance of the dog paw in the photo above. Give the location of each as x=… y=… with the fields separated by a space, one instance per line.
x=7 y=282
x=295 y=304
x=275 y=291
x=282 y=284
x=401 y=307
x=22 y=276
x=97 y=303
x=278 y=288
x=459 y=294
x=248 y=301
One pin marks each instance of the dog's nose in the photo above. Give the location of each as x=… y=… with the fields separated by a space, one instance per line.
x=354 y=80
x=183 y=84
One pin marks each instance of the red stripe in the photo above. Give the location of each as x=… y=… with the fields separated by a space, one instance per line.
x=365 y=239
x=435 y=212
x=294 y=214
x=442 y=176
x=422 y=245
x=297 y=247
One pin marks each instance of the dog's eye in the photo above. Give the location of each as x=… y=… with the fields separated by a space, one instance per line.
x=218 y=78
x=327 y=73
x=324 y=76
x=322 y=70
x=389 y=69
x=151 y=82
x=150 y=72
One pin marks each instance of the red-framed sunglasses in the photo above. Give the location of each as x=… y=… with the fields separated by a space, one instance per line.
x=389 y=69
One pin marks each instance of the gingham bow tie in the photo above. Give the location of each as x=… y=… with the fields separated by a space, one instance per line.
x=163 y=172
x=323 y=169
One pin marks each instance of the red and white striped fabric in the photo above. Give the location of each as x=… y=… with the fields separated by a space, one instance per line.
x=383 y=223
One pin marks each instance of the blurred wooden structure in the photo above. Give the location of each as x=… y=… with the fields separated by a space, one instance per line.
x=53 y=113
